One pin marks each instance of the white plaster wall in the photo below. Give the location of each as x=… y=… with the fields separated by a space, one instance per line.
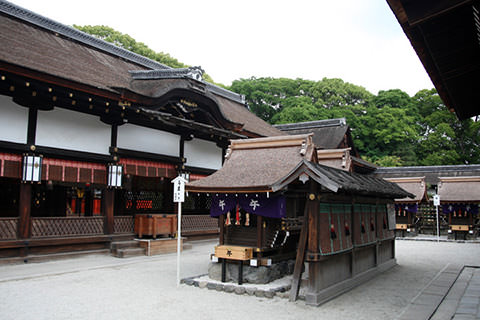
x=203 y=154
x=13 y=121
x=143 y=139
x=66 y=129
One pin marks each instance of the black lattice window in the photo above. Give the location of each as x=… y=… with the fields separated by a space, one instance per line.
x=143 y=201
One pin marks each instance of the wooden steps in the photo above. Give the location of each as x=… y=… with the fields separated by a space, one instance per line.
x=126 y=249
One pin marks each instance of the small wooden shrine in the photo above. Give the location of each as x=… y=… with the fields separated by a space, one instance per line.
x=459 y=201
x=406 y=208
x=274 y=201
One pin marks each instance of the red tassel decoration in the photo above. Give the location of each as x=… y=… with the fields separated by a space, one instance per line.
x=237 y=216
x=333 y=234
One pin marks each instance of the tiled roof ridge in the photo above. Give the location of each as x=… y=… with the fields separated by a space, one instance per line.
x=429 y=168
x=312 y=124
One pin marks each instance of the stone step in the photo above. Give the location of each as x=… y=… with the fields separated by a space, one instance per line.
x=128 y=252
x=124 y=244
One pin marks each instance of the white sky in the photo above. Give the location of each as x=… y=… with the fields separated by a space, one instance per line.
x=360 y=42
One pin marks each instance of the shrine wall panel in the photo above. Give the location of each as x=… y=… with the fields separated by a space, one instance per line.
x=66 y=129
x=364 y=224
x=365 y=259
x=137 y=138
x=335 y=221
x=13 y=122
x=203 y=154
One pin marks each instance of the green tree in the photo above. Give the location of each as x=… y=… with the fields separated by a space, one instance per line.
x=125 y=41
x=443 y=138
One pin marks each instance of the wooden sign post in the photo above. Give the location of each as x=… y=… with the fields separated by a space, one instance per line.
x=436 y=203
x=179 y=197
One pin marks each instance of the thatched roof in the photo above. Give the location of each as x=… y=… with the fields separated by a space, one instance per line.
x=459 y=189
x=328 y=134
x=66 y=56
x=271 y=164
x=255 y=165
x=414 y=185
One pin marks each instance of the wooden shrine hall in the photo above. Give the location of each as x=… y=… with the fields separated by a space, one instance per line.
x=406 y=208
x=92 y=134
x=275 y=201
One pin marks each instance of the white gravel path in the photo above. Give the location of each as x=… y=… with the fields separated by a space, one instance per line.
x=103 y=287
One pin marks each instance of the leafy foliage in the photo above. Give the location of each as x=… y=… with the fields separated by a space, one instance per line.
x=389 y=129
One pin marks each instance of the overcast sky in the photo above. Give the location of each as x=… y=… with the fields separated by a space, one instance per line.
x=359 y=41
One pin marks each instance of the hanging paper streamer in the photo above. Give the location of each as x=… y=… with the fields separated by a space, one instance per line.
x=247 y=219
x=228 y=221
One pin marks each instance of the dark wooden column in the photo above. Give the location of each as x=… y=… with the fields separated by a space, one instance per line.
x=221 y=225
x=109 y=208
x=313 y=219
x=24 y=209
x=259 y=231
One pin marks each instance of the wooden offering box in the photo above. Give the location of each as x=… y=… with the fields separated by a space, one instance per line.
x=155 y=224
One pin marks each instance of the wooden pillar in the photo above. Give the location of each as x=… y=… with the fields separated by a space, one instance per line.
x=109 y=208
x=353 y=233
x=259 y=231
x=24 y=209
x=221 y=225
x=313 y=219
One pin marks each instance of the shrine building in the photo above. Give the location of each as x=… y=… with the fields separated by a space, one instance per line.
x=92 y=134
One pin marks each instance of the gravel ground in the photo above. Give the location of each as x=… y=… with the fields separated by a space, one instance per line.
x=103 y=287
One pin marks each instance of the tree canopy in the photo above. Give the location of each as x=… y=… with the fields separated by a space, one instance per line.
x=389 y=129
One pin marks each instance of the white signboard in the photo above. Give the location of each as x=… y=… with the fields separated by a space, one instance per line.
x=436 y=200
x=179 y=189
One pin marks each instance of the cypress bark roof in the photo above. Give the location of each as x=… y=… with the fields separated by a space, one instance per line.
x=459 y=189
x=414 y=185
x=328 y=134
x=271 y=164
x=39 y=44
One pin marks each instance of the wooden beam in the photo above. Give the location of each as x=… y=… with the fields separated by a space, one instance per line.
x=109 y=210
x=24 y=208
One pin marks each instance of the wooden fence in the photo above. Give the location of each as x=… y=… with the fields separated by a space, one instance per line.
x=8 y=228
x=66 y=227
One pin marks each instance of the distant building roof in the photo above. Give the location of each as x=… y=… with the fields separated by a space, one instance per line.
x=431 y=173
x=414 y=185
x=328 y=134
x=459 y=189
